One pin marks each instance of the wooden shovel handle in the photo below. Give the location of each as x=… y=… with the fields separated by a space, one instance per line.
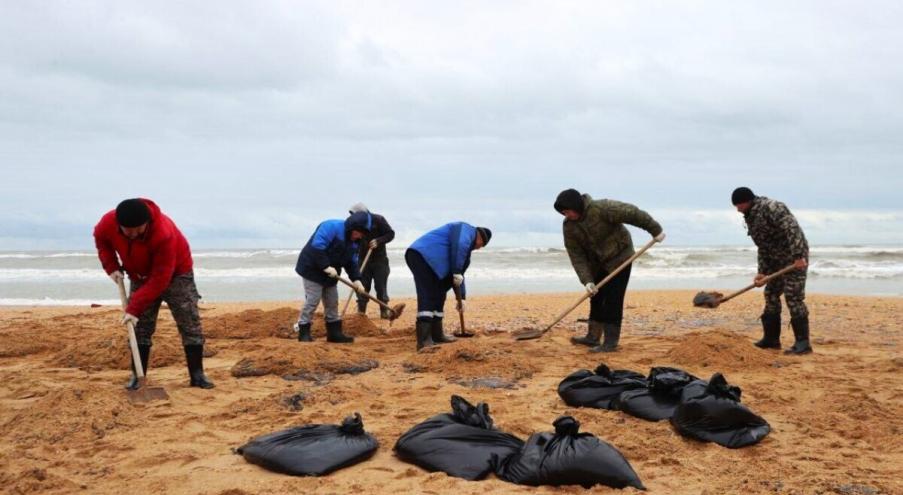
x=782 y=271
x=377 y=301
x=363 y=266
x=460 y=313
x=133 y=341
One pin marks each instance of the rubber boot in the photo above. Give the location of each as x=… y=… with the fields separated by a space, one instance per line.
x=194 y=356
x=384 y=313
x=144 y=355
x=424 y=333
x=304 y=332
x=593 y=333
x=612 y=333
x=362 y=307
x=437 y=334
x=771 y=332
x=334 y=333
x=801 y=334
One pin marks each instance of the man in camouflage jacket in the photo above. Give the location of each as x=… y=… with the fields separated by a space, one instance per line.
x=597 y=242
x=780 y=242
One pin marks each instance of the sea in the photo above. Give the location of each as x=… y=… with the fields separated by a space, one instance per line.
x=223 y=275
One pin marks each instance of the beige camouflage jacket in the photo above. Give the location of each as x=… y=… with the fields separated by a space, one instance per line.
x=776 y=233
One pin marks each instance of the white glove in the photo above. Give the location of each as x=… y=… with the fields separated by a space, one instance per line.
x=359 y=287
x=374 y=244
x=660 y=237
x=460 y=305
x=591 y=288
x=331 y=272
x=457 y=279
x=128 y=318
x=116 y=277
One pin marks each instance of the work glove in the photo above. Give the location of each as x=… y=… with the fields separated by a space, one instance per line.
x=129 y=318
x=660 y=237
x=116 y=277
x=800 y=263
x=359 y=287
x=759 y=281
x=374 y=244
x=591 y=288
x=331 y=272
x=457 y=279
x=460 y=305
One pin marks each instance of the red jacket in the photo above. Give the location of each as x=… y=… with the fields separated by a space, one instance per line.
x=155 y=258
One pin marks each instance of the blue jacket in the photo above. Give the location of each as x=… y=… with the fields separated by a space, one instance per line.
x=331 y=245
x=447 y=249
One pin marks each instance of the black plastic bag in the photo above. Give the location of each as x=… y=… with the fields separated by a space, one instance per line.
x=712 y=412
x=660 y=398
x=312 y=450
x=568 y=457
x=462 y=444
x=601 y=389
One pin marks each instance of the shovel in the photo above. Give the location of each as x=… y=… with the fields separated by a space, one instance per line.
x=395 y=311
x=715 y=299
x=537 y=333
x=144 y=392
x=363 y=266
x=462 y=332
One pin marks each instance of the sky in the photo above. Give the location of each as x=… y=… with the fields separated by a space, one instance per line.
x=250 y=122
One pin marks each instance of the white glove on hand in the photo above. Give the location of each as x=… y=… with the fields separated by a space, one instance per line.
x=457 y=279
x=591 y=288
x=126 y=318
x=116 y=277
x=374 y=244
x=331 y=272
x=460 y=305
x=359 y=287
x=660 y=237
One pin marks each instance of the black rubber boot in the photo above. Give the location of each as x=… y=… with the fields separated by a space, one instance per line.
x=304 y=332
x=593 y=334
x=194 y=356
x=612 y=333
x=384 y=313
x=362 y=307
x=437 y=334
x=771 y=332
x=144 y=355
x=801 y=334
x=424 y=330
x=334 y=333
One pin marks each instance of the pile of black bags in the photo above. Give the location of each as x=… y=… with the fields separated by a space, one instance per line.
x=312 y=450
x=660 y=397
x=599 y=389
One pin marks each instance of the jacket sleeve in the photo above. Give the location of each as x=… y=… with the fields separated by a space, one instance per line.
x=461 y=240
x=163 y=264
x=619 y=212
x=578 y=257
x=384 y=226
x=786 y=222
x=105 y=250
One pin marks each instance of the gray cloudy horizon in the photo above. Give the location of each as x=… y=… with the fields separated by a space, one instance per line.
x=251 y=122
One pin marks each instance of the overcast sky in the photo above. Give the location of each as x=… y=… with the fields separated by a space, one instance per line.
x=250 y=122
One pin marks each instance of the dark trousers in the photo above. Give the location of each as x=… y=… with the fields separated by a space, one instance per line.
x=607 y=306
x=375 y=275
x=182 y=298
x=431 y=290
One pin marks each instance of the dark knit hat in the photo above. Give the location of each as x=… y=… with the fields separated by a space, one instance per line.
x=742 y=195
x=569 y=199
x=132 y=213
x=485 y=233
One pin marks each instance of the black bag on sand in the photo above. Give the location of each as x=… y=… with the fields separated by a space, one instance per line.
x=568 y=457
x=461 y=444
x=312 y=450
x=712 y=412
x=601 y=389
x=660 y=398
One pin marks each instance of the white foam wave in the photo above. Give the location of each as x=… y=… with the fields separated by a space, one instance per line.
x=46 y=301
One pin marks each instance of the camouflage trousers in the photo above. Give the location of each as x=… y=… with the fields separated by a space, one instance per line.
x=793 y=286
x=182 y=298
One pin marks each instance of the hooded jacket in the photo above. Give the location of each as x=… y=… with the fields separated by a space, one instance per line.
x=331 y=245
x=447 y=249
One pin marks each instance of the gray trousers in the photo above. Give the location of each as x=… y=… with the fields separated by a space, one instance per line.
x=313 y=293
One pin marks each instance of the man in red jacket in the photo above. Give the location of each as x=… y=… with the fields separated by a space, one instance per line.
x=139 y=239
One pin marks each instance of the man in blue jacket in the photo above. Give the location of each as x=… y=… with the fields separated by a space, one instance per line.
x=438 y=260
x=331 y=247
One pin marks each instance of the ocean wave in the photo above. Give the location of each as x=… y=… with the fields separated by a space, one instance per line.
x=30 y=256
x=47 y=301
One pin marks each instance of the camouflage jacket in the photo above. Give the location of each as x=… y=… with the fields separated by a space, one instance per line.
x=599 y=239
x=776 y=233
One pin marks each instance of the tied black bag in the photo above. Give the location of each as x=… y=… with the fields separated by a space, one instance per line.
x=461 y=444
x=312 y=450
x=568 y=457
x=661 y=396
x=712 y=412
x=599 y=389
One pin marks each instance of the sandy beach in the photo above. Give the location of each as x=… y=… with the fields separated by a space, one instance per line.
x=66 y=426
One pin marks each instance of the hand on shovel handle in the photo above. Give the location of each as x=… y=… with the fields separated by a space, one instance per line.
x=715 y=299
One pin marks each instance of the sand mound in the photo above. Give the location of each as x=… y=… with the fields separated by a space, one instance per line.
x=296 y=360
x=255 y=323
x=19 y=343
x=721 y=350
x=97 y=353
x=467 y=360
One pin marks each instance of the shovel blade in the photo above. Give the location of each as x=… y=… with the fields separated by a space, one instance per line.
x=528 y=334
x=396 y=312
x=707 y=299
x=463 y=334
x=144 y=393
